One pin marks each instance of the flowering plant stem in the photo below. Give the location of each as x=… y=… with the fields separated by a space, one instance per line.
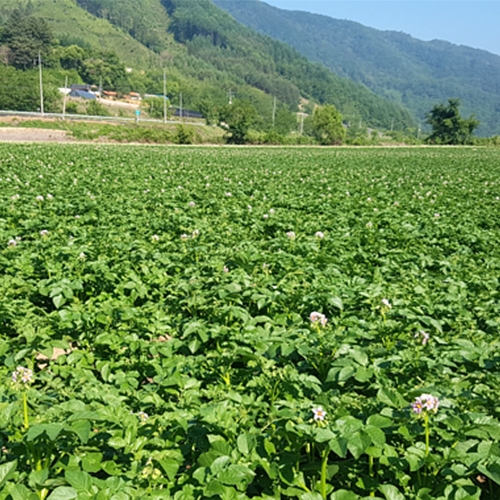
x=25 y=411
x=324 y=464
x=427 y=433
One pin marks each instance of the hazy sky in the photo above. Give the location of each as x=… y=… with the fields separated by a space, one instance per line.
x=464 y=22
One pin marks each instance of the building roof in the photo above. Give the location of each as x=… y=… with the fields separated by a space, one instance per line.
x=82 y=94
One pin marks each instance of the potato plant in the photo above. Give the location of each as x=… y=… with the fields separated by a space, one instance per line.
x=190 y=323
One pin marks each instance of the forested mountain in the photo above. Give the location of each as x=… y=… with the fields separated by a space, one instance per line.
x=405 y=70
x=206 y=53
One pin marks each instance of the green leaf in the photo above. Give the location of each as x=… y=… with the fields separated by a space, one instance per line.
x=91 y=462
x=346 y=373
x=38 y=477
x=377 y=435
x=311 y=496
x=170 y=467
x=380 y=421
x=51 y=430
x=220 y=463
x=246 y=443
x=323 y=435
x=363 y=374
x=79 y=480
x=344 y=495
x=491 y=470
x=235 y=475
x=391 y=397
x=6 y=470
x=357 y=443
x=269 y=447
x=415 y=458
x=391 y=492
x=20 y=492
x=337 y=302
x=214 y=488
x=63 y=493
x=359 y=356
x=58 y=300
x=82 y=429
x=339 y=446
x=111 y=468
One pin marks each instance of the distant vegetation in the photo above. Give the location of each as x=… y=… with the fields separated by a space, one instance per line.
x=208 y=57
x=448 y=127
x=409 y=72
x=278 y=96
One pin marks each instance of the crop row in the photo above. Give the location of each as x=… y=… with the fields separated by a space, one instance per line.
x=190 y=323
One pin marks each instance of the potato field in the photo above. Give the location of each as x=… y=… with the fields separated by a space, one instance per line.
x=249 y=323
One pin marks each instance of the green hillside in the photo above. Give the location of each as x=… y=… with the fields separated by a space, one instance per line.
x=208 y=54
x=73 y=25
x=408 y=71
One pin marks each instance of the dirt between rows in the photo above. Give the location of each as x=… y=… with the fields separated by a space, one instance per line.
x=14 y=134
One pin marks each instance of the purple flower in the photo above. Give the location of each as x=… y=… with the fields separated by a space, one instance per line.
x=425 y=336
x=22 y=375
x=317 y=317
x=425 y=403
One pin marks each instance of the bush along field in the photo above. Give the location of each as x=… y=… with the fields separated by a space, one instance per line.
x=194 y=323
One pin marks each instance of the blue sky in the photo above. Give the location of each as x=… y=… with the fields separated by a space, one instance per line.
x=464 y=22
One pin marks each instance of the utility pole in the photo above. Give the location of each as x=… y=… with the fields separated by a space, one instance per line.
x=65 y=96
x=392 y=125
x=100 y=87
x=164 y=96
x=230 y=94
x=301 y=127
x=41 y=81
x=180 y=106
x=274 y=111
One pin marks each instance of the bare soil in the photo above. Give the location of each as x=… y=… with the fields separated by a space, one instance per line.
x=14 y=134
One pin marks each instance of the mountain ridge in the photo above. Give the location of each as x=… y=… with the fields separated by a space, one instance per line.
x=414 y=73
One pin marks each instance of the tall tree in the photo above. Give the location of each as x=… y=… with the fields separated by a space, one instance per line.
x=448 y=127
x=26 y=36
x=327 y=125
x=236 y=119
